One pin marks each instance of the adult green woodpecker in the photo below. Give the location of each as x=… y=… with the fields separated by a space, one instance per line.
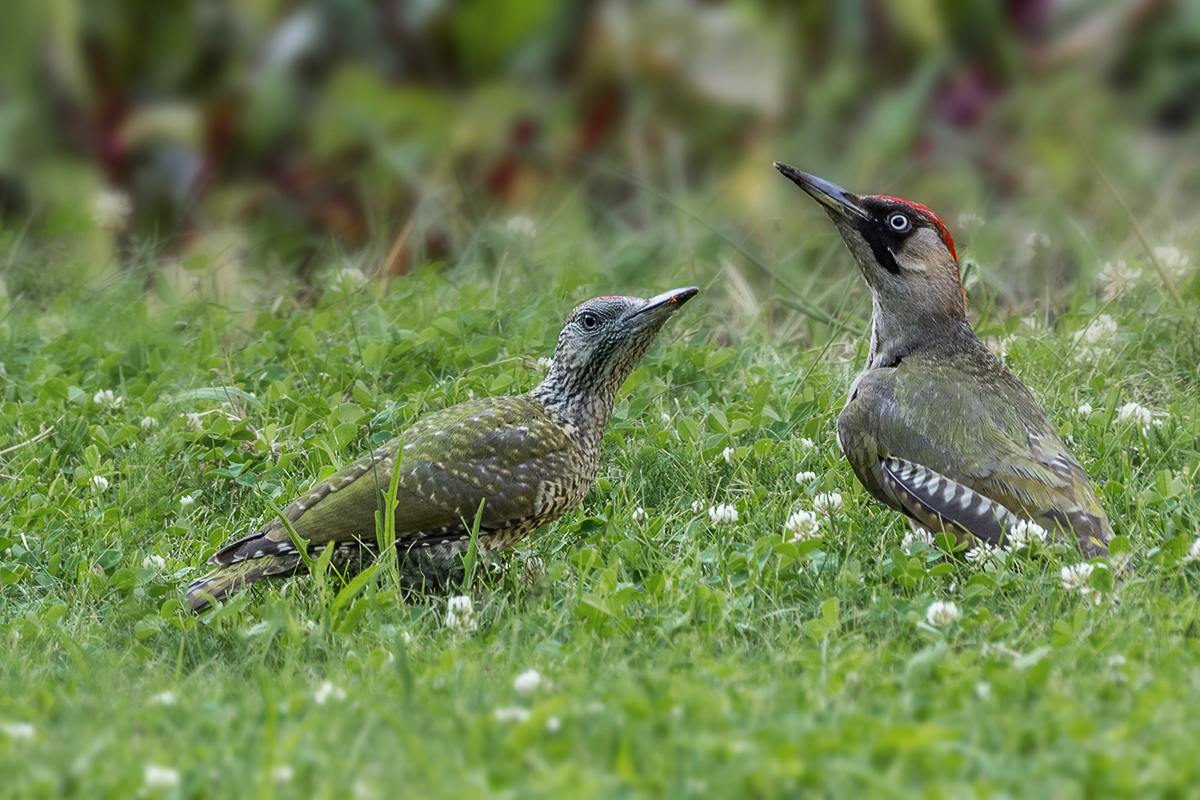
x=529 y=459
x=936 y=426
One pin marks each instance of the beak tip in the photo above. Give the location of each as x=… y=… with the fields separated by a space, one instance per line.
x=681 y=296
x=667 y=302
x=834 y=198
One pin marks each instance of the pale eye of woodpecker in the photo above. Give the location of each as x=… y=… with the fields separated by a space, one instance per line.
x=898 y=222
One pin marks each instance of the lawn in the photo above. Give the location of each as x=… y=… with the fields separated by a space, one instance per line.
x=676 y=651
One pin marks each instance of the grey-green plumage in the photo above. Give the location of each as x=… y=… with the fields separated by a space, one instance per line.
x=936 y=426
x=960 y=415
x=529 y=459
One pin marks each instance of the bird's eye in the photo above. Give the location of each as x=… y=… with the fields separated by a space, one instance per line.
x=589 y=321
x=898 y=222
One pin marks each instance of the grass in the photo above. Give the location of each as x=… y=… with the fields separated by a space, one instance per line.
x=678 y=658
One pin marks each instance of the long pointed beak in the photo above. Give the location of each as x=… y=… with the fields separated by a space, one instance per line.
x=664 y=305
x=833 y=197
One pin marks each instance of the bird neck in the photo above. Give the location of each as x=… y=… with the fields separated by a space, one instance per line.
x=895 y=336
x=580 y=407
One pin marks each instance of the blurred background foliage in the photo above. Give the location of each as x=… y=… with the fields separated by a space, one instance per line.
x=234 y=146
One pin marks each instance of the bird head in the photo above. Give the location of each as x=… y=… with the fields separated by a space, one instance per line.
x=903 y=250
x=602 y=341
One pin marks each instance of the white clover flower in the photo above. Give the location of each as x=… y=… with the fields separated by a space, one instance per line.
x=1022 y=534
x=328 y=691
x=149 y=424
x=666 y=420
x=351 y=278
x=1085 y=410
x=511 y=714
x=50 y=327
x=698 y=506
x=805 y=478
x=282 y=774
x=1096 y=339
x=1135 y=413
x=722 y=514
x=1075 y=577
x=941 y=613
x=106 y=399
x=827 y=503
x=192 y=422
x=806 y=444
x=1099 y=330
x=1171 y=258
x=1118 y=280
x=99 y=483
x=981 y=554
x=17 y=731
x=460 y=614
x=186 y=500
x=406 y=637
x=164 y=698
x=543 y=364
x=527 y=682
x=1173 y=262
x=728 y=454
x=969 y=221
x=1036 y=240
x=160 y=777
x=914 y=537
x=154 y=562
x=521 y=226
x=640 y=516
x=553 y=724
x=111 y=210
x=802 y=525
x=983 y=690
x=1193 y=553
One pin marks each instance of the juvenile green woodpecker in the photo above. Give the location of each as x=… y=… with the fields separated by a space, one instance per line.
x=936 y=426
x=529 y=459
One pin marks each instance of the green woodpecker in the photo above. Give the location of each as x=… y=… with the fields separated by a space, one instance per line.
x=936 y=426
x=529 y=459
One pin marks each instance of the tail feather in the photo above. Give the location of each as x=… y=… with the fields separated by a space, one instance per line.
x=225 y=580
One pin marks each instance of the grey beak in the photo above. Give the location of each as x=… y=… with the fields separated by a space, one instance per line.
x=665 y=304
x=833 y=197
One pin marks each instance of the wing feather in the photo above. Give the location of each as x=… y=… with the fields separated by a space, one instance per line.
x=976 y=427
x=450 y=461
x=942 y=504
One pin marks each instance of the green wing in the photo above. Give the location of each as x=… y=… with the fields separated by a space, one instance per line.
x=980 y=428
x=493 y=450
